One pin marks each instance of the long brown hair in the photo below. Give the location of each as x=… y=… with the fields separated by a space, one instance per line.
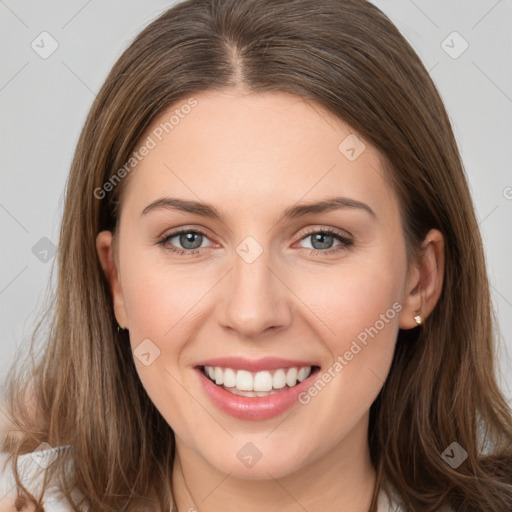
x=346 y=56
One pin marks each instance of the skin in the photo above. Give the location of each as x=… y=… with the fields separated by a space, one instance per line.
x=252 y=156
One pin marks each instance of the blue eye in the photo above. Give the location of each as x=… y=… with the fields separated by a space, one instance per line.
x=191 y=241
x=322 y=240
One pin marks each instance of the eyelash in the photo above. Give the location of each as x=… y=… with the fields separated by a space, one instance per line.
x=345 y=241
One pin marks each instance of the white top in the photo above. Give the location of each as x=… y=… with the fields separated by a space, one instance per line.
x=31 y=468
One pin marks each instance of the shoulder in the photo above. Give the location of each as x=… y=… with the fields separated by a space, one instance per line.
x=389 y=503
x=31 y=469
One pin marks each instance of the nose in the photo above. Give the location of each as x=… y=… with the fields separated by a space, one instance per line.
x=256 y=300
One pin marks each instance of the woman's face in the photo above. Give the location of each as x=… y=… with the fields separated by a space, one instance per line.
x=267 y=285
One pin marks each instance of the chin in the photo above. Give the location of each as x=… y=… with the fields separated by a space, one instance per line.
x=257 y=460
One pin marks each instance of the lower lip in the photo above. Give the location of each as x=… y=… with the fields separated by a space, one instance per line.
x=253 y=408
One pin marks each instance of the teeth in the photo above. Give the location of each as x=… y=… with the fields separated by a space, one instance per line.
x=279 y=379
x=229 y=378
x=262 y=381
x=291 y=377
x=242 y=382
x=302 y=375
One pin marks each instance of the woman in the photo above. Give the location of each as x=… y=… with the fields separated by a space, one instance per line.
x=201 y=357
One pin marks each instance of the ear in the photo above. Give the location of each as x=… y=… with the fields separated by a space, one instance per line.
x=424 y=281
x=106 y=254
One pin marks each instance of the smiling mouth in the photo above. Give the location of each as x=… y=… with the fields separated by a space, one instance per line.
x=257 y=384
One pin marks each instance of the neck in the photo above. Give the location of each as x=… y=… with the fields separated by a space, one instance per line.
x=341 y=480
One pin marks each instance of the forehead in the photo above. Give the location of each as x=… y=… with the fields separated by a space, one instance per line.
x=254 y=150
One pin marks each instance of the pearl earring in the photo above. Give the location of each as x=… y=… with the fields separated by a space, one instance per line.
x=418 y=319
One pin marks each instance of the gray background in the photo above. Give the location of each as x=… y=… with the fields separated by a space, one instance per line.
x=44 y=101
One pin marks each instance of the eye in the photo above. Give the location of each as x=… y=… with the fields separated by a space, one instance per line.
x=322 y=241
x=191 y=241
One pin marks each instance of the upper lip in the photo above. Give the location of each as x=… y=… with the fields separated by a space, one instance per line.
x=265 y=363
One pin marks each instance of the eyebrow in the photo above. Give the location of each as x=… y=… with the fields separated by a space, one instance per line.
x=300 y=210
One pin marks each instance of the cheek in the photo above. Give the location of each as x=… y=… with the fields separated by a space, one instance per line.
x=160 y=302
x=350 y=299
x=359 y=311
x=161 y=307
